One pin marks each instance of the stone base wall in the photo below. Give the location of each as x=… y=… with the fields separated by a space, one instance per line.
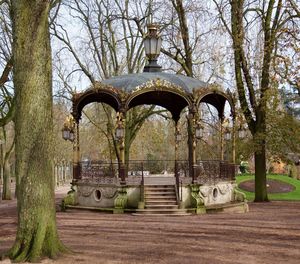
x=103 y=196
x=219 y=193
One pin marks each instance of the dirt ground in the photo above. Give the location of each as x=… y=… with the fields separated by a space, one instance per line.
x=269 y=233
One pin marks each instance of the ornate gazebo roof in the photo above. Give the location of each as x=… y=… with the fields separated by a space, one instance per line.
x=171 y=91
x=129 y=83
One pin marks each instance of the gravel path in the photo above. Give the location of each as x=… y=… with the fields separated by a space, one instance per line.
x=269 y=233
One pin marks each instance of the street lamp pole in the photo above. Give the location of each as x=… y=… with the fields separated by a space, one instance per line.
x=70 y=132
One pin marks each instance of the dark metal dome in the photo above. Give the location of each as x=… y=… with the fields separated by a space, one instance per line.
x=130 y=82
x=171 y=91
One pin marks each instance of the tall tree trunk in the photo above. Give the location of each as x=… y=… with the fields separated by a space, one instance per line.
x=37 y=233
x=261 y=194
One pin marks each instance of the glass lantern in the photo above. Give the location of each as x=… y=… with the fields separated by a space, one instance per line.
x=119 y=133
x=241 y=133
x=152 y=45
x=227 y=134
x=199 y=132
x=66 y=133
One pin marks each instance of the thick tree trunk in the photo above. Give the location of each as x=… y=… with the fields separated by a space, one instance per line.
x=6 y=194
x=37 y=233
x=261 y=194
x=259 y=136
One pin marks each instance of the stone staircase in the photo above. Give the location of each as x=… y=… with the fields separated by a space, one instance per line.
x=160 y=200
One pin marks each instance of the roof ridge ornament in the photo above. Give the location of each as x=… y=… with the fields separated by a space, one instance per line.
x=152 y=45
x=159 y=85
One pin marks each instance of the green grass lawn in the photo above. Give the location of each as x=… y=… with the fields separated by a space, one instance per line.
x=291 y=196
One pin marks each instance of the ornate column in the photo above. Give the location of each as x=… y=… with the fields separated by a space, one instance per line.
x=177 y=140
x=192 y=143
x=120 y=135
x=233 y=138
x=120 y=202
x=76 y=153
x=221 y=138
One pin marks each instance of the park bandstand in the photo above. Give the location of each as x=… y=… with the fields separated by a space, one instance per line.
x=193 y=186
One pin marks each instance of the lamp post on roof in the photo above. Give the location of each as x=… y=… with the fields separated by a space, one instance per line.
x=152 y=45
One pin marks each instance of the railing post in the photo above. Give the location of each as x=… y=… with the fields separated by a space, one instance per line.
x=181 y=191
x=177 y=176
x=142 y=184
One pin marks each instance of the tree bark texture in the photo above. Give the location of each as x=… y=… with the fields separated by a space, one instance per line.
x=37 y=233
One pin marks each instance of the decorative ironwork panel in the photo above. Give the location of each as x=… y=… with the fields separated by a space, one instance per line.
x=213 y=171
x=99 y=172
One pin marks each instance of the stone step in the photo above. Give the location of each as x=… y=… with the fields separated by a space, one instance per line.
x=149 y=193
x=161 y=206
x=159 y=185
x=156 y=189
x=161 y=212
x=173 y=214
x=162 y=201
x=160 y=197
x=154 y=199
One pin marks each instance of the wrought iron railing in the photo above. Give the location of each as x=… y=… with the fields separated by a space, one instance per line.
x=213 y=171
x=150 y=167
x=208 y=171
x=99 y=172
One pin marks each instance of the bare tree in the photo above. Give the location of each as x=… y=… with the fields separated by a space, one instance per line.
x=256 y=30
x=113 y=33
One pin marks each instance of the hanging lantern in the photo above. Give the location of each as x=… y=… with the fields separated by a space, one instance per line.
x=241 y=133
x=72 y=135
x=227 y=134
x=119 y=133
x=199 y=131
x=68 y=129
x=65 y=133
